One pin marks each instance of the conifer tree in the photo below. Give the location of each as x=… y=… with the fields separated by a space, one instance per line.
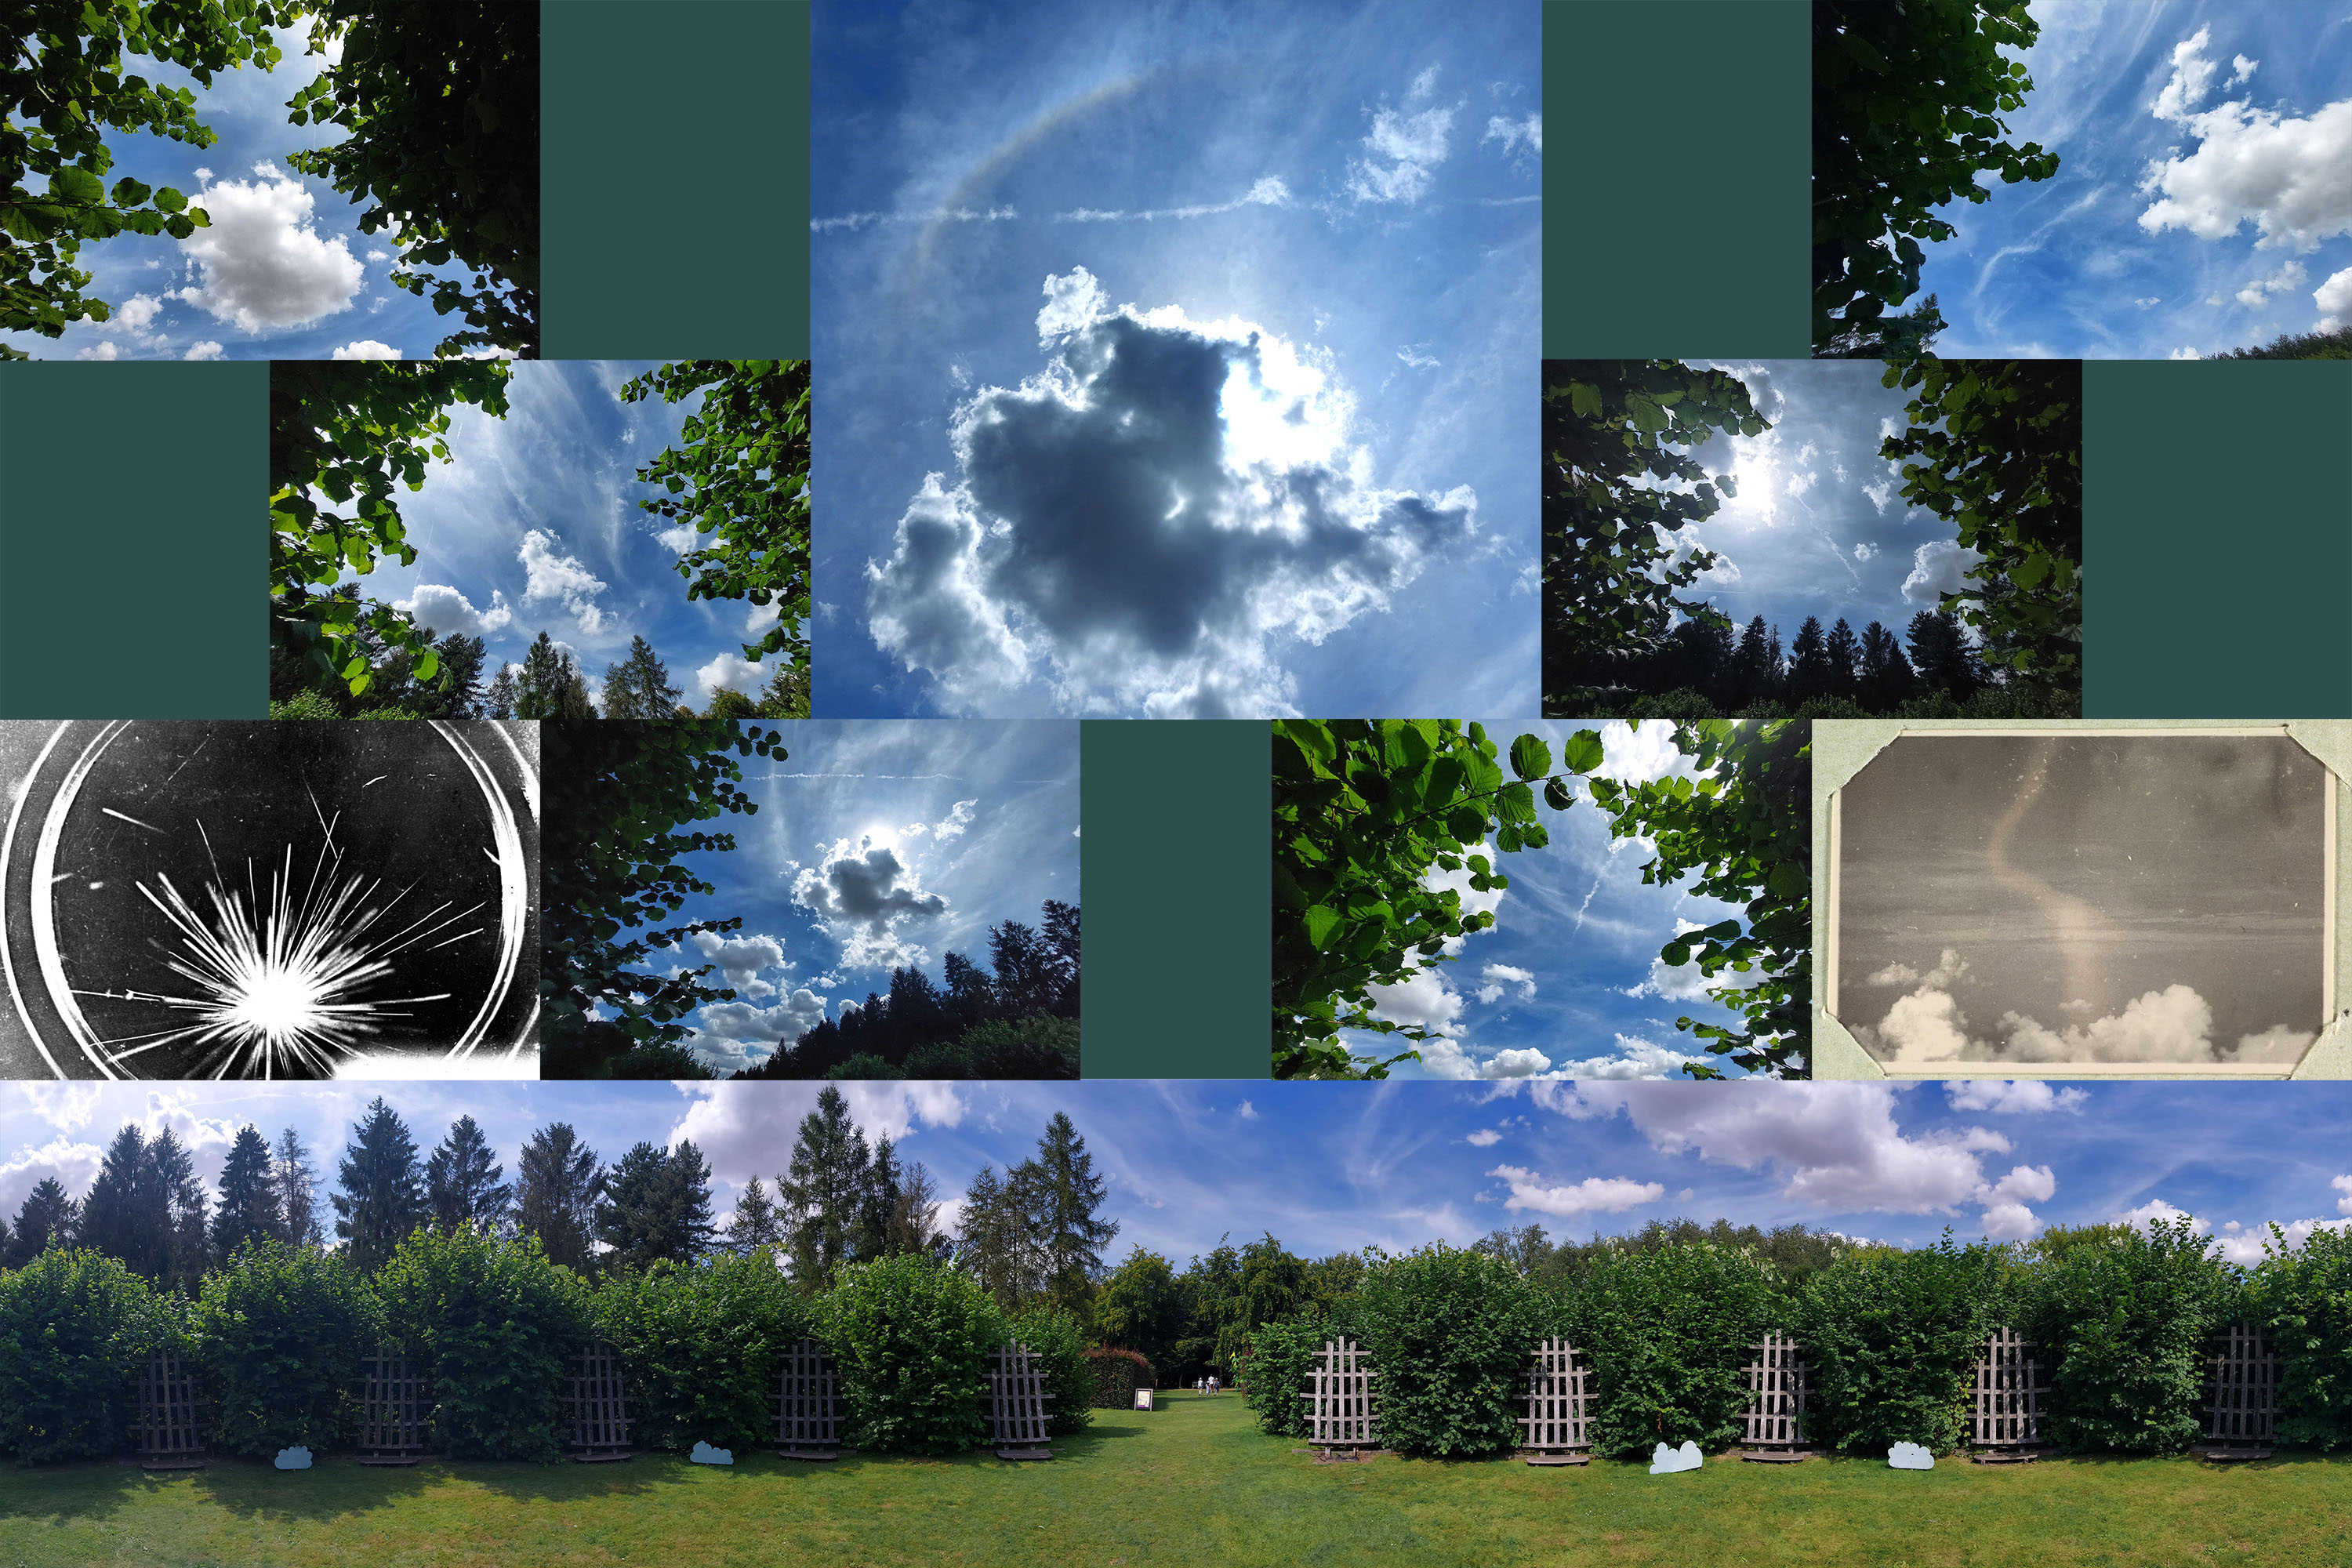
x=756 y=1232
x=639 y=685
x=47 y=1219
x=382 y=1197
x=461 y=1180
x=557 y=1183
x=248 y=1196
x=1064 y=1197
x=821 y=1198
x=658 y=1207
x=297 y=1186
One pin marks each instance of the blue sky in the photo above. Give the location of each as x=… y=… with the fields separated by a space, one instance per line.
x=1568 y=981
x=876 y=845
x=532 y=525
x=283 y=272
x=2194 y=208
x=1330 y=1167
x=1043 y=240
x=1818 y=526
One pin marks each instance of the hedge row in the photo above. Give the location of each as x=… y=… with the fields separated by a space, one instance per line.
x=2124 y=1321
x=276 y=1338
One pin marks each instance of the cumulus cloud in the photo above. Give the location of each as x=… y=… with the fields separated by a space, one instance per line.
x=1488 y=1137
x=1518 y=1062
x=1134 y=523
x=202 y=348
x=1938 y=567
x=1634 y=1059
x=2292 y=178
x=957 y=820
x=1864 y=550
x=1515 y=134
x=782 y=1023
x=1594 y=1194
x=2280 y=1045
x=2017 y=1096
x=1502 y=977
x=741 y=959
x=263 y=264
x=2334 y=298
x=367 y=348
x=2285 y=280
x=562 y=578
x=104 y=351
x=135 y=314
x=2174 y=1025
x=450 y=614
x=864 y=894
x=731 y=670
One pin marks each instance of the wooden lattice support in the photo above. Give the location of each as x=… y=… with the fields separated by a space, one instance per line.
x=1777 y=1398
x=1339 y=1406
x=1016 y=1404
x=1557 y=1426
x=600 y=1408
x=391 y=1410
x=2243 y=1385
x=168 y=1428
x=808 y=1411
x=2009 y=1393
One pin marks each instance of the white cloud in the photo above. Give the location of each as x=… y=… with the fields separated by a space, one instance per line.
x=741 y=959
x=2335 y=297
x=202 y=348
x=1268 y=192
x=1516 y=133
x=1938 y=567
x=1635 y=1058
x=731 y=671
x=99 y=350
x=959 y=817
x=735 y=1125
x=2185 y=353
x=2174 y=1025
x=1246 y=1111
x=136 y=312
x=1523 y=1062
x=1502 y=977
x=864 y=894
x=2292 y=178
x=1405 y=148
x=2280 y=1045
x=1423 y=998
x=1594 y=1194
x=1224 y=502
x=783 y=1023
x=1879 y=493
x=2285 y=280
x=2241 y=69
x=367 y=348
x=1416 y=360
x=2342 y=1184
x=2027 y=1097
x=1488 y=1137
x=679 y=538
x=1864 y=550
x=561 y=577
x=263 y=265
x=449 y=613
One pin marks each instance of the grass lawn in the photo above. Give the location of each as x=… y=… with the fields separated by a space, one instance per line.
x=1195 y=1483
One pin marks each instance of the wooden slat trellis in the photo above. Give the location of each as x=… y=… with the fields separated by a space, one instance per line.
x=808 y=1412
x=600 y=1408
x=1016 y=1404
x=2010 y=1393
x=1559 y=1423
x=1777 y=1397
x=2243 y=1383
x=168 y=1428
x=392 y=1409
x=1339 y=1406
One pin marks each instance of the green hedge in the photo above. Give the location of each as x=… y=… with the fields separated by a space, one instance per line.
x=2124 y=1322
x=1059 y=1345
x=699 y=1348
x=1892 y=1339
x=499 y=1326
x=1117 y=1374
x=1280 y=1367
x=2302 y=1298
x=281 y=1330
x=75 y=1330
x=1448 y=1334
x=1668 y=1331
x=912 y=1341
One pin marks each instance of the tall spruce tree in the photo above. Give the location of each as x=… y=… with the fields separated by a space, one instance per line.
x=499 y=698
x=756 y=1231
x=1886 y=678
x=248 y=1195
x=1940 y=655
x=1064 y=1197
x=996 y=1244
x=297 y=1184
x=381 y=1198
x=461 y=1180
x=1843 y=651
x=639 y=685
x=1810 y=674
x=125 y=1214
x=46 y=1219
x=186 y=1247
x=658 y=1206
x=823 y=1198
x=557 y=1185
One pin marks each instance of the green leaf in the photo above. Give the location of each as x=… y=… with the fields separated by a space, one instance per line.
x=1530 y=758
x=1581 y=751
x=73 y=183
x=1789 y=880
x=2030 y=571
x=169 y=200
x=1321 y=921
x=1555 y=794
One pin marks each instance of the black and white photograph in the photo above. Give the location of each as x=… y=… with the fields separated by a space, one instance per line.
x=2098 y=901
x=246 y=900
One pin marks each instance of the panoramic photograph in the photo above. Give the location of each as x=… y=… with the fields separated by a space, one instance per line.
x=1832 y=541
x=1651 y=918
x=550 y=540
x=2083 y=179
x=188 y=900
x=886 y=1314
x=243 y=181
x=2102 y=900
x=1180 y=361
x=878 y=901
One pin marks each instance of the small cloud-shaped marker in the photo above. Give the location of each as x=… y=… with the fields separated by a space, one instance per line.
x=297 y=1459
x=1909 y=1456
x=1667 y=1461
x=704 y=1454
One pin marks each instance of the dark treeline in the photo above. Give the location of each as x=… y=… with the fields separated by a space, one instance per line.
x=1019 y=1018
x=1702 y=670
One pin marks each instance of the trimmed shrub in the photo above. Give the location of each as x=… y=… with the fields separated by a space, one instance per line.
x=2126 y=1320
x=2302 y=1298
x=699 y=1347
x=281 y=1331
x=499 y=1326
x=1278 y=1370
x=1059 y=1345
x=912 y=1341
x=1117 y=1374
x=1669 y=1329
x=75 y=1330
x=1450 y=1333
x=1892 y=1339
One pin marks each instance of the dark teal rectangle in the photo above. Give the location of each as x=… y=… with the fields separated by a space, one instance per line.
x=1678 y=179
x=134 y=557
x=674 y=175
x=2216 y=540
x=1179 y=898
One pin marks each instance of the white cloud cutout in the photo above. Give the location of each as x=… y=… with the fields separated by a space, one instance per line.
x=2292 y=178
x=449 y=613
x=264 y=266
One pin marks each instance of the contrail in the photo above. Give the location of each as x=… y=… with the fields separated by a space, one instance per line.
x=2068 y=920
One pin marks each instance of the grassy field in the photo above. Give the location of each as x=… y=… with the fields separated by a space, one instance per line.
x=1194 y=1483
